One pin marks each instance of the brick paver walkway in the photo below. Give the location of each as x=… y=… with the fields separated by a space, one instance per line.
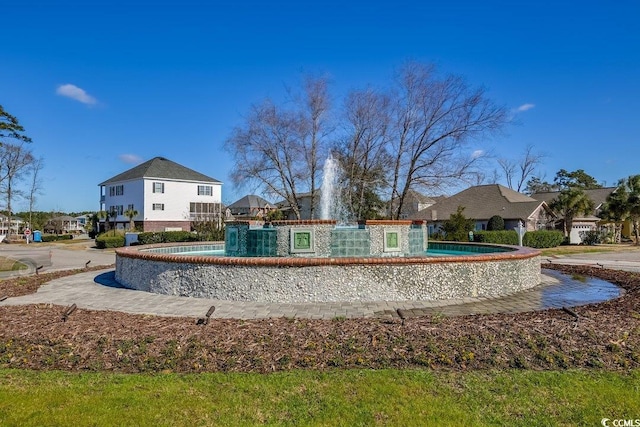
x=99 y=291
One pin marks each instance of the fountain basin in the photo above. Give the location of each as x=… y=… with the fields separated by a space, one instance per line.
x=294 y=279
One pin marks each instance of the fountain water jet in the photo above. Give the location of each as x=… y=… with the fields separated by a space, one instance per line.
x=331 y=206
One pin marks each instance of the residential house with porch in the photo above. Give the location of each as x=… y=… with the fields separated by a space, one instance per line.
x=250 y=206
x=481 y=202
x=589 y=221
x=166 y=195
x=13 y=227
x=305 y=204
x=64 y=224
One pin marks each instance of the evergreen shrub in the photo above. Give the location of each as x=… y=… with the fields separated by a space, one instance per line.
x=503 y=237
x=591 y=237
x=543 y=239
x=55 y=237
x=108 y=240
x=495 y=223
x=166 y=237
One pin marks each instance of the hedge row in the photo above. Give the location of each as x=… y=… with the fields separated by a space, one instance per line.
x=502 y=237
x=534 y=239
x=109 y=241
x=543 y=239
x=55 y=237
x=166 y=237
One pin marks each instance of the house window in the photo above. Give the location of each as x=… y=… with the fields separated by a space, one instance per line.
x=205 y=190
x=203 y=210
x=117 y=209
x=158 y=206
x=116 y=190
x=130 y=208
x=207 y=208
x=158 y=187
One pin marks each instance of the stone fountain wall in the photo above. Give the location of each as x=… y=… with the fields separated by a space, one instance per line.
x=315 y=279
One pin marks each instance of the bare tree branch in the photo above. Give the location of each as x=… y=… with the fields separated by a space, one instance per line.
x=433 y=120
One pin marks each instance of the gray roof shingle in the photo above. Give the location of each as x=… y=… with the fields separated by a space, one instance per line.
x=481 y=203
x=598 y=195
x=161 y=168
x=250 y=202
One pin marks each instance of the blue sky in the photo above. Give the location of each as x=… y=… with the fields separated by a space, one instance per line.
x=102 y=85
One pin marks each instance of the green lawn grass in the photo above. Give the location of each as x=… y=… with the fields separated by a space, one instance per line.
x=7 y=264
x=583 y=249
x=336 y=398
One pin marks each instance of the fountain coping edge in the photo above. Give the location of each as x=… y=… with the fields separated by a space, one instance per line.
x=139 y=253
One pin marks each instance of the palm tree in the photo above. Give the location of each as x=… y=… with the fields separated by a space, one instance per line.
x=615 y=210
x=633 y=204
x=102 y=215
x=571 y=203
x=113 y=213
x=624 y=204
x=131 y=213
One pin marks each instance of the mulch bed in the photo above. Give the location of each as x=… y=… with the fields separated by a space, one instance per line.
x=45 y=337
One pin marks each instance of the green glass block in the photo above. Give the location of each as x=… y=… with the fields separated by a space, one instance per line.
x=392 y=240
x=302 y=240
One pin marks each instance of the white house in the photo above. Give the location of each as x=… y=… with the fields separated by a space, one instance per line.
x=166 y=195
x=63 y=224
x=15 y=227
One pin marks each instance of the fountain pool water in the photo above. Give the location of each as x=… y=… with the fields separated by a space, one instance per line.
x=313 y=261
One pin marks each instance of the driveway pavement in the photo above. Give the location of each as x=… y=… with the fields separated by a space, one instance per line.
x=60 y=256
x=627 y=260
x=98 y=290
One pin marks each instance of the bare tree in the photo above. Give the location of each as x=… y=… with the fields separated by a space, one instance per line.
x=519 y=172
x=14 y=160
x=14 y=157
x=280 y=150
x=267 y=153
x=420 y=130
x=508 y=167
x=482 y=178
x=363 y=151
x=315 y=129
x=35 y=186
x=433 y=120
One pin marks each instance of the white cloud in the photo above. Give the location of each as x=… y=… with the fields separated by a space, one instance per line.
x=477 y=153
x=74 y=92
x=130 y=158
x=525 y=107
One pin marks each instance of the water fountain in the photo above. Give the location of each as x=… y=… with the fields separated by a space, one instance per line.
x=316 y=261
